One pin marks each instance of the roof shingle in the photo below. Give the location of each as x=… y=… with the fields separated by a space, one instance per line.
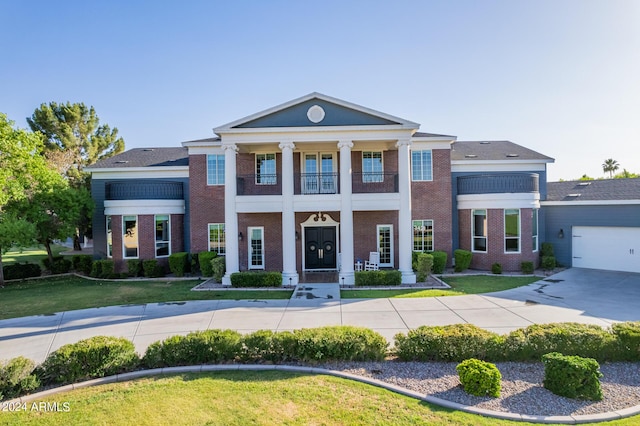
x=594 y=190
x=145 y=157
x=493 y=150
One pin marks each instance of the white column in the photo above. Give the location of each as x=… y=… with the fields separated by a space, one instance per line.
x=405 y=230
x=346 y=275
x=289 y=272
x=230 y=216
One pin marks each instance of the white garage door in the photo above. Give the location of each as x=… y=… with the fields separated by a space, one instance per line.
x=606 y=247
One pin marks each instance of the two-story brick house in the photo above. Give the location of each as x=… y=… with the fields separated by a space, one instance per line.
x=316 y=184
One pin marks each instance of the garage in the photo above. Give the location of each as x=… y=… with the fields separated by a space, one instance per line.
x=606 y=247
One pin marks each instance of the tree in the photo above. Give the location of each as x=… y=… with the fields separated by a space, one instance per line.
x=75 y=139
x=610 y=166
x=625 y=174
x=22 y=174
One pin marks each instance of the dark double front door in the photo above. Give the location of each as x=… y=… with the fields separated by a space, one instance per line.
x=320 y=247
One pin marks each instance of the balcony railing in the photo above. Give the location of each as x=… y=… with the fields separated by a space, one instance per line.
x=498 y=183
x=262 y=184
x=144 y=190
x=316 y=183
x=374 y=182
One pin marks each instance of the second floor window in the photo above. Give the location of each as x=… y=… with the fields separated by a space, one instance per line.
x=215 y=169
x=266 y=169
x=372 y=166
x=421 y=165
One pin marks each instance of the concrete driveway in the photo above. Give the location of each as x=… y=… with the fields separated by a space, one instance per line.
x=577 y=295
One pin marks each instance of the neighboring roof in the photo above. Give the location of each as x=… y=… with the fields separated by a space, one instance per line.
x=295 y=114
x=196 y=141
x=146 y=157
x=594 y=190
x=492 y=151
x=431 y=135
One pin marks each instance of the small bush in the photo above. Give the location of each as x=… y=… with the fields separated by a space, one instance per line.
x=20 y=271
x=218 y=266
x=103 y=269
x=546 y=249
x=204 y=259
x=572 y=376
x=199 y=347
x=529 y=344
x=90 y=358
x=628 y=338
x=496 y=268
x=377 y=278
x=339 y=343
x=82 y=263
x=152 y=269
x=424 y=264
x=548 y=263
x=256 y=279
x=448 y=343
x=134 y=267
x=463 y=259
x=178 y=263
x=268 y=346
x=17 y=378
x=439 y=261
x=60 y=265
x=479 y=378
x=527 y=268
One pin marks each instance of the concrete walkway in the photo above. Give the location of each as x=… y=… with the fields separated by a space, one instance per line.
x=586 y=296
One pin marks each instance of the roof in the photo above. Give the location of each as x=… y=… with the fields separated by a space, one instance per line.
x=145 y=157
x=492 y=151
x=431 y=135
x=594 y=190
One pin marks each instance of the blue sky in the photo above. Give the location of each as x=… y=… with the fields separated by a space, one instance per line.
x=561 y=77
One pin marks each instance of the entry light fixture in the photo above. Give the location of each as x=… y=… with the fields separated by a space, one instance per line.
x=561 y=233
x=240 y=236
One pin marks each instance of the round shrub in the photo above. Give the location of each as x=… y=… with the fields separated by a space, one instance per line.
x=479 y=378
x=339 y=343
x=572 y=376
x=82 y=263
x=204 y=260
x=439 y=261
x=463 y=259
x=95 y=357
x=496 y=268
x=448 y=343
x=527 y=268
x=17 y=378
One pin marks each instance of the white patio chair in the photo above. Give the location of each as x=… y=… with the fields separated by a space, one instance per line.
x=373 y=264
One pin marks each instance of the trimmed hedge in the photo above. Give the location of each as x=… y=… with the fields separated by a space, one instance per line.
x=268 y=346
x=439 y=261
x=546 y=249
x=463 y=259
x=479 y=378
x=134 y=268
x=496 y=268
x=152 y=269
x=20 y=271
x=255 y=279
x=82 y=263
x=87 y=359
x=17 y=377
x=204 y=260
x=178 y=263
x=627 y=335
x=60 y=265
x=377 y=278
x=572 y=376
x=448 y=343
x=103 y=269
x=218 y=267
x=424 y=265
x=339 y=343
x=527 y=268
x=548 y=263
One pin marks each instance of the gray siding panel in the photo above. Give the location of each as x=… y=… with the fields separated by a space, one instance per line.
x=565 y=217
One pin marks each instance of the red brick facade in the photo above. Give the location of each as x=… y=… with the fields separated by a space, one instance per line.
x=206 y=203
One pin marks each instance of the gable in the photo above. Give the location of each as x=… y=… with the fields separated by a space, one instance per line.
x=334 y=115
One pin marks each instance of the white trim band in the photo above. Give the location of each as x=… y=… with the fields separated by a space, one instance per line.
x=140 y=207
x=499 y=201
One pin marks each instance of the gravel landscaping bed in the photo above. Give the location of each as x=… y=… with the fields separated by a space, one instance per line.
x=522 y=391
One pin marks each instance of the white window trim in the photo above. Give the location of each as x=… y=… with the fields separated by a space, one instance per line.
x=249 y=249
x=109 y=224
x=124 y=249
x=207 y=165
x=155 y=242
x=275 y=168
x=536 y=236
x=504 y=232
x=209 y=237
x=391 y=248
x=372 y=173
x=433 y=234
x=422 y=174
x=473 y=228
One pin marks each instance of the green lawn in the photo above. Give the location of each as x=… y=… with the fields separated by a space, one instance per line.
x=46 y=296
x=464 y=284
x=241 y=398
x=30 y=254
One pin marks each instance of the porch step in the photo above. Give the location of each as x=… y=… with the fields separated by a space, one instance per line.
x=316 y=292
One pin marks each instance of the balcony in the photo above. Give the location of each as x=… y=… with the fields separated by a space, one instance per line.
x=316 y=183
x=263 y=184
x=144 y=190
x=498 y=183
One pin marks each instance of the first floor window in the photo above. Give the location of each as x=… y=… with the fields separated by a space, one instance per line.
x=423 y=235
x=215 y=169
x=256 y=248
x=479 y=230
x=421 y=165
x=266 y=169
x=512 y=230
x=385 y=245
x=130 y=236
x=109 y=238
x=372 y=166
x=534 y=229
x=217 y=238
x=163 y=236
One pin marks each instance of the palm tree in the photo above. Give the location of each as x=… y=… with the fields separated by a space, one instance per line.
x=610 y=166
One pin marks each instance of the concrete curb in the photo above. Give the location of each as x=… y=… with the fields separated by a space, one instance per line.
x=591 y=418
